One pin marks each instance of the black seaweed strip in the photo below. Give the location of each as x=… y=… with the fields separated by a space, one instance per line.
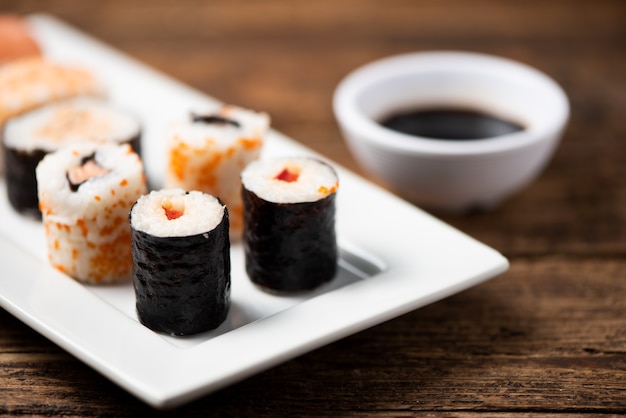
x=216 y=119
x=135 y=143
x=289 y=247
x=21 y=179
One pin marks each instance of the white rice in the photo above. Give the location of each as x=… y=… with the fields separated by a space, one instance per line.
x=68 y=122
x=223 y=135
x=315 y=181
x=87 y=230
x=201 y=213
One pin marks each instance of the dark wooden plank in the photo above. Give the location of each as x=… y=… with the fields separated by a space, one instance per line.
x=513 y=343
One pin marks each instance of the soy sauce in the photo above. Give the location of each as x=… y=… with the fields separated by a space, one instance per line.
x=450 y=124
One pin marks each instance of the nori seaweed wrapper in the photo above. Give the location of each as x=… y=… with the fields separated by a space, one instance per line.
x=135 y=143
x=182 y=284
x=289 y=246
x=21 y=180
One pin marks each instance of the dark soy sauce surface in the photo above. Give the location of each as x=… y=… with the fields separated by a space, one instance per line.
x=450 y=124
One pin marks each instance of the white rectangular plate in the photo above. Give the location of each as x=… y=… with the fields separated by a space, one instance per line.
x=394 y=258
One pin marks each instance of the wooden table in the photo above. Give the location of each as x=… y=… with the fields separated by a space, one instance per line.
x=547 y=337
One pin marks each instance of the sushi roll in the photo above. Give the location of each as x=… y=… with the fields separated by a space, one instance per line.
x=85 y=194
x=181 y=261
x=208 y=152
x=17 y=39
x=28 y=138
x=31 y=82
x=289 y=235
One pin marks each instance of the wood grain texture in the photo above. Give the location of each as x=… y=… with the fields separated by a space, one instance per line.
x=546 y=338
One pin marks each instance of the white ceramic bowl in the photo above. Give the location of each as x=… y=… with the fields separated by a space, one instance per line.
x=453 y=176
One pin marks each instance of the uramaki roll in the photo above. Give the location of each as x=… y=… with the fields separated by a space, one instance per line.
x=29 y=137
x=85 y=194
x=17 y=40
x=28 y=83
x=31 y=82
x=289 y=223
x=208 y=152
x=181 y=261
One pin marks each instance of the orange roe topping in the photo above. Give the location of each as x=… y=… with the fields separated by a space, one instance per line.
x=287 y=175
x=179 y=158
x=326 y=191
x=83 y=228
x=250 y=143
x=68 y=121
x=33 y=81
x=112 y=227
x=59 y=267
x=113 y=259
x=235 y=213
x=202 y=174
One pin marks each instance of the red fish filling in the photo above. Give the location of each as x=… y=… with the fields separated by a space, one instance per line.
x=88 y=169
x=171 y=212
x=287 y=175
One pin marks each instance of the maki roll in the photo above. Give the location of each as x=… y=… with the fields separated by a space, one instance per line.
x=17 y=40
x=208 y=152
x=85 y=194
x=181 y=261
x=30 y=82
x=289 y=223
x=29 y=137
